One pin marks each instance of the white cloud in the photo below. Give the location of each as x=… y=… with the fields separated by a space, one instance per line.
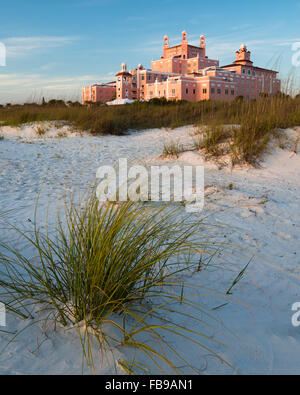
x=22 y=46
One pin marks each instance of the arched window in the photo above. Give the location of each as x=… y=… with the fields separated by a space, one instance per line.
x=166 y=42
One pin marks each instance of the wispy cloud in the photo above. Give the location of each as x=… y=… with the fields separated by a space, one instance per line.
x=22 y=46
x=44 y=81
x=21 y=87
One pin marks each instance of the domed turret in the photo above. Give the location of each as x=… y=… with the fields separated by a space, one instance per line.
x=243 y=47
x=243 y=55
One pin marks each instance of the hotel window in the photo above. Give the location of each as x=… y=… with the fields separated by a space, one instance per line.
x=143 y=77
x=173 y=92
x=226 y=91
x=149 y=77
x=219 y=91
x=204 y=91
x=194 y=91
x=186 y=91
x=232 y=92
x=249 y=72
x=212 y=90
x=244 y=71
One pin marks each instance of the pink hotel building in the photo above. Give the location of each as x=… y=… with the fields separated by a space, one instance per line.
x=184 y=72
x=101 y=93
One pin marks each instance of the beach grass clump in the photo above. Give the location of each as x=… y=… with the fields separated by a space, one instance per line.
x=112 y=265
x=198 y=143
x=172 y=148
x=61 y=135
x=213 y=138
x=250 y=141
x=244 y=129
x=41 y=131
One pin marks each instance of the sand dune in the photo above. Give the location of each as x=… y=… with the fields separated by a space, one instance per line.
x=259 y=215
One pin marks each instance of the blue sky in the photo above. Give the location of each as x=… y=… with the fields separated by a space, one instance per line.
x=54 y=48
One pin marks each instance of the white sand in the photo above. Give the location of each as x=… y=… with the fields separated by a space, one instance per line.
x=261 y=215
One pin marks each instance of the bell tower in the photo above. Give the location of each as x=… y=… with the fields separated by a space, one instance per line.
x=203 y=46
x=184 y=46
x=166 y=46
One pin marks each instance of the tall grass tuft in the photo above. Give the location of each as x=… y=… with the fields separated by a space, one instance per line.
x=213 y=138
x=41 y=131
x=172 y=148
x=114 y=265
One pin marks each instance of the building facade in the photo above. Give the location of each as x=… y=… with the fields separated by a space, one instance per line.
x=99 y=93
x=185 y=72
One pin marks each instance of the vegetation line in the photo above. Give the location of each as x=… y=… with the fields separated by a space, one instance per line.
x=257 y=120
